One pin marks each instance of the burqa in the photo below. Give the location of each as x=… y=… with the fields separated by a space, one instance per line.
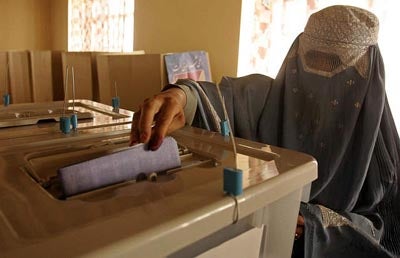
x=327 y=100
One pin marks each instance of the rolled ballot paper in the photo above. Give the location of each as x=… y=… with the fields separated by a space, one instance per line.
x=118 y=167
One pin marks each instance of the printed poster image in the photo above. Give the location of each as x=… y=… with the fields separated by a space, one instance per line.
x=188 y=65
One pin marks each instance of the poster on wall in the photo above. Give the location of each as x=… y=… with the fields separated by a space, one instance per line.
x=188 y=65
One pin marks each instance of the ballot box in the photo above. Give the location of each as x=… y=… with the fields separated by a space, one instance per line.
x=30 y=123
x=179 y=212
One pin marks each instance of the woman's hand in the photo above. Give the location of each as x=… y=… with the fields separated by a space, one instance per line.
x=299 y=227
x=158 y=116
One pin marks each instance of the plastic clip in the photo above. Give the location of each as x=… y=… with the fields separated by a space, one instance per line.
x=233 y=181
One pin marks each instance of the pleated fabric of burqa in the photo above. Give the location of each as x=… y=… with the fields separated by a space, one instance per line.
x=328 y=100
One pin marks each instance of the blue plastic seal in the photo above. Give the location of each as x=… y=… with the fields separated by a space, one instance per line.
x=74 y=121
x=115 y=103
x=6 y=99
x=233 y=181
x=65 y=124
x=224 y=128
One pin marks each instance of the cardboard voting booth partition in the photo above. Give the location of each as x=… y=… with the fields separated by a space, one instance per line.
x=39 y=76
x=42 y=77
x=131 y=77
x=4 y=85
x=20 y=78
x=135 y=77
x=31 y=76
x=81 y=64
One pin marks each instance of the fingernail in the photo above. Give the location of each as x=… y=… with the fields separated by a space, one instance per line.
x=132 y=142
x=155 y=143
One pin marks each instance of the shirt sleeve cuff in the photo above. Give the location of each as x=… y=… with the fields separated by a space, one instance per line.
x=191 y=101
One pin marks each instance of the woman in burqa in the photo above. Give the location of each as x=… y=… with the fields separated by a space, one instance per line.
x=328 y=100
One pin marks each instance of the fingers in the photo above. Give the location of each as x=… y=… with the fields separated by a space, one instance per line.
x=300 y=220
x=299 y=228
x=134 y=137
x=156 y=117
x=169 y=119
x=299 y=232
x=142 y=121
x=148 y=112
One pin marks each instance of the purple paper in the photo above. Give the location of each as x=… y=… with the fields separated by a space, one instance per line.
x=118 y=167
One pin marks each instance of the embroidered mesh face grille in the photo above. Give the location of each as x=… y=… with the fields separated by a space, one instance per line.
x=322 y=61
x=336 y=38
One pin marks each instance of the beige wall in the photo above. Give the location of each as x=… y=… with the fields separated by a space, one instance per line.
x=161 y=26
x=25 y=24
x=33 y=24
x=181 y=25
x=59 y=24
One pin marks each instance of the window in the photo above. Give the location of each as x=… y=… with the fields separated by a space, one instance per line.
x=100 y=25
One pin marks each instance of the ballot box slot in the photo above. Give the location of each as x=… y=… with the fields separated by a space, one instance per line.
x=42 y=166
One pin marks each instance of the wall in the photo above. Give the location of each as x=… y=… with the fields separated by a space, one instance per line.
x=181 y=25
x=160 y=26
x=59 y=24
x=25 y=24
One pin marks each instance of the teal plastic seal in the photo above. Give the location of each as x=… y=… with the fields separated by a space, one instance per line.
x=65 y=124
x=74 y=121
x=6 y=99
x=115 y=103
x=224 y=128
x=233 y=181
